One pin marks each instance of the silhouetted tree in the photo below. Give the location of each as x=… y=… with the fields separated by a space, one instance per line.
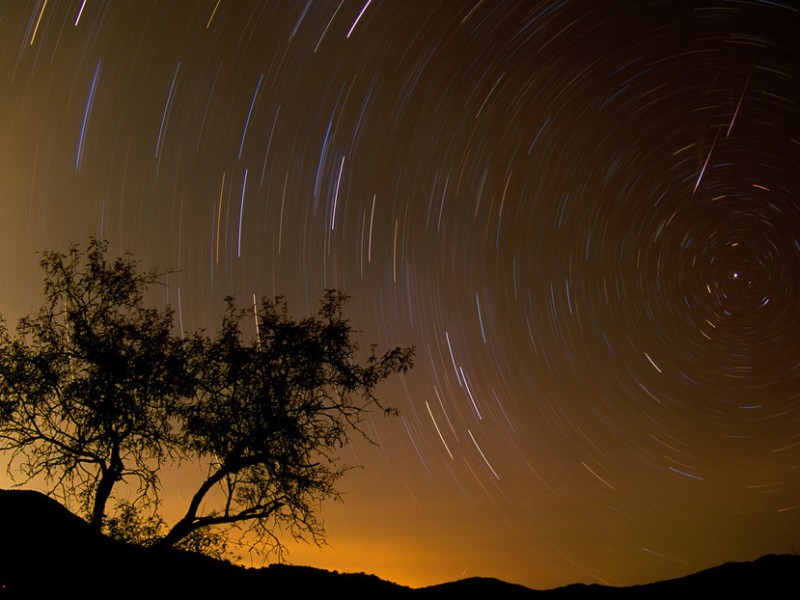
x=95 y=389
x=90 y=386
x=270 y=414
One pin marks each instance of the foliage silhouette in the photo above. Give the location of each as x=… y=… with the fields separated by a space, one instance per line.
x=270 y=413
x=90 y=387
x=129 y=524
x=96 y=390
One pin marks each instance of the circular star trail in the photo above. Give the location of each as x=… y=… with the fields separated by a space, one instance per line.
x=583 y=215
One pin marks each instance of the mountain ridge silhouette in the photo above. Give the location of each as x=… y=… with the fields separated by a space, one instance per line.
x=45 y=550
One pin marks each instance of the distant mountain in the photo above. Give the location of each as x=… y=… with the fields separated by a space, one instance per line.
x=773 y=577
x=46 y=551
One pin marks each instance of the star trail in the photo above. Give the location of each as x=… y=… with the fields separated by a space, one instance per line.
x=583 y=215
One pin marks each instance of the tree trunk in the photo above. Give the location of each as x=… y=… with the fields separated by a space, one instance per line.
x=179 y=531
x=189 y=521
x=110 y=475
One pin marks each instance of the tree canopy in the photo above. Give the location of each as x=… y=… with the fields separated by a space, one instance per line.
x=92 y=382
x=97 y=389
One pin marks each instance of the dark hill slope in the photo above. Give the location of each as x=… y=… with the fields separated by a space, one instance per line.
x=46 y=551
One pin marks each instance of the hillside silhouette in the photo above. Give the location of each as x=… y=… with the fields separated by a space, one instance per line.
x=46 y=550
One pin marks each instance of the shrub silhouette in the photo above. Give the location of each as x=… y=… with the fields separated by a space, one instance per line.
x=96 y=390
x=129 y=523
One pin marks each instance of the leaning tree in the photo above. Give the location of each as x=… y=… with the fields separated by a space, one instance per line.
x=270 y=413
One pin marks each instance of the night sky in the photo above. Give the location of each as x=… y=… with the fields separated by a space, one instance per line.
x=582 y=214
